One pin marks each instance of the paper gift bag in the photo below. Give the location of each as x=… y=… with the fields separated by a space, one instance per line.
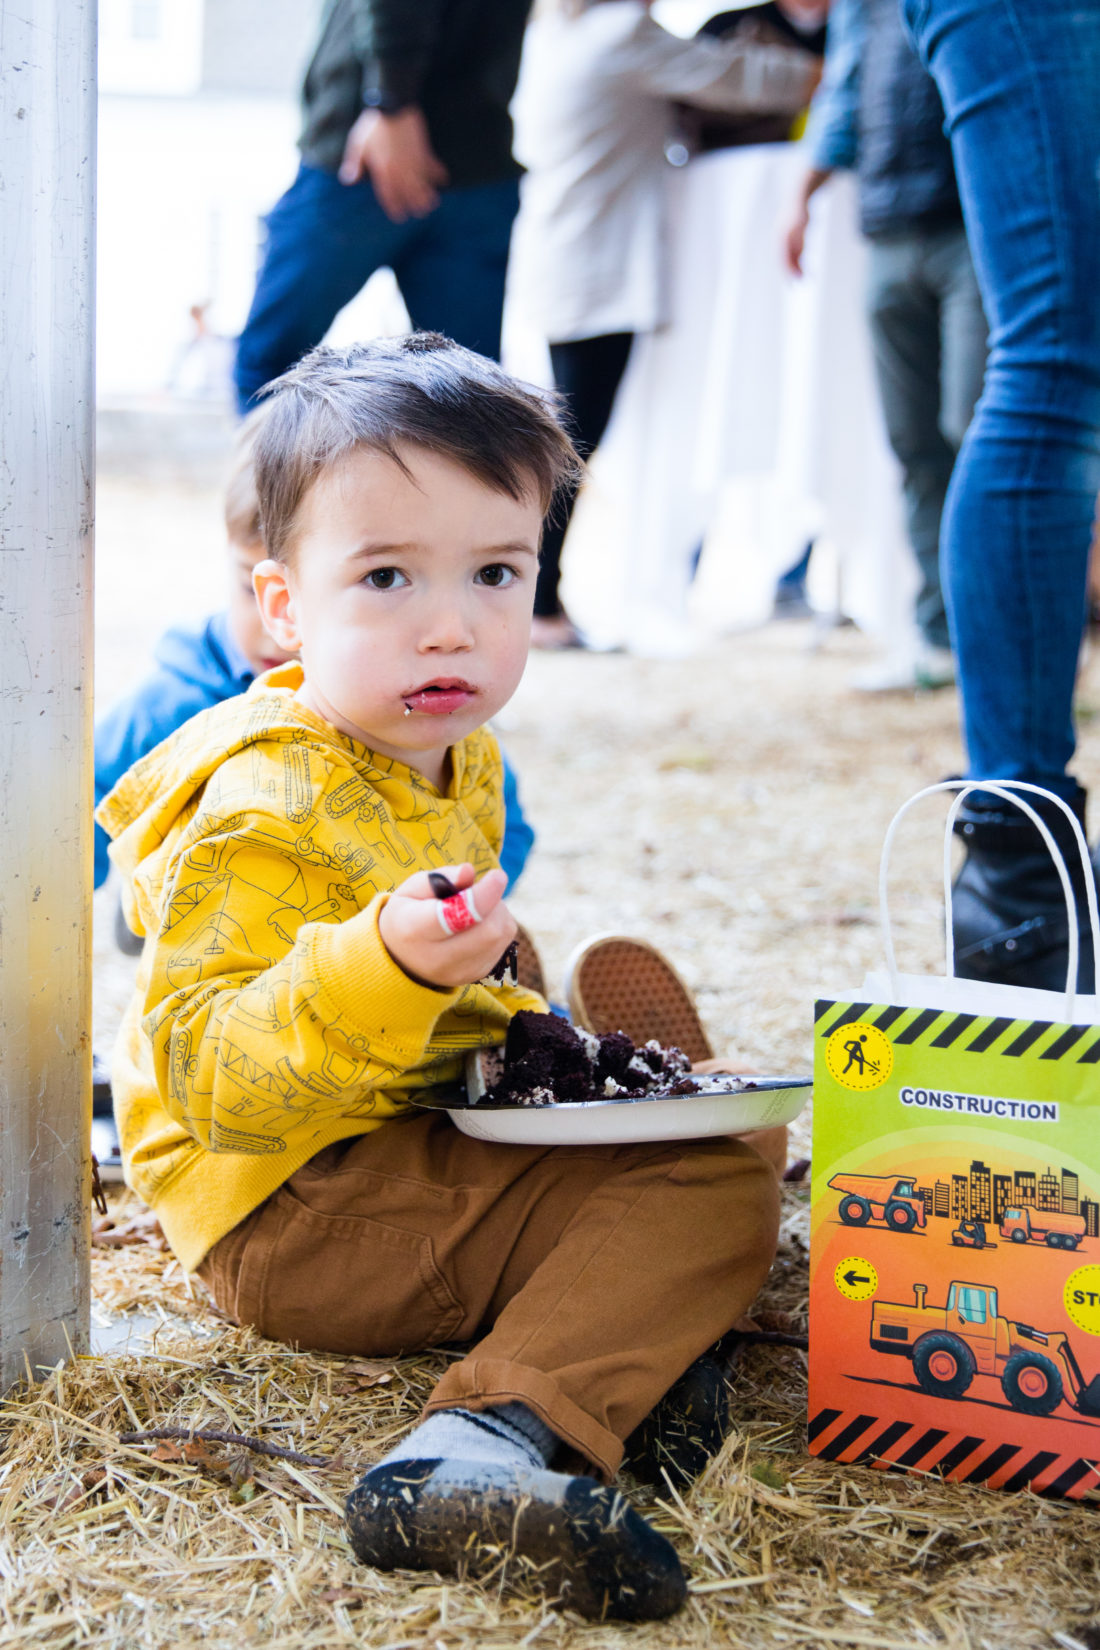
x=955 y=1247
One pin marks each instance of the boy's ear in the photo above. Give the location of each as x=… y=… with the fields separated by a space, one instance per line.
x=271 y=582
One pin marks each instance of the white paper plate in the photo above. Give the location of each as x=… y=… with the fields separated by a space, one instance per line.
x=762 y=1103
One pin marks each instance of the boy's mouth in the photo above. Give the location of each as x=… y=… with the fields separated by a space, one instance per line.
x=440 y=698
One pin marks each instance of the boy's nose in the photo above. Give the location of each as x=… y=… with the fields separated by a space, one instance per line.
x=447 y=630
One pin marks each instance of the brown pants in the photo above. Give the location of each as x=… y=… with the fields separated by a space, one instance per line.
x=593 y=1275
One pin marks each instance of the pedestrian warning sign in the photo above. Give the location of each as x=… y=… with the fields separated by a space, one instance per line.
x=859 y=1056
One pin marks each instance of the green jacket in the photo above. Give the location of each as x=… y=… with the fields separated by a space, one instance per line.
x=457 y=59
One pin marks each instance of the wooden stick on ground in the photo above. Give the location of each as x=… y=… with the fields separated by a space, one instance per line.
x=769 y=1337
x=209 y=1436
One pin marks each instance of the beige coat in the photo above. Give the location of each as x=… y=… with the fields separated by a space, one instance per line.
x=594 y=108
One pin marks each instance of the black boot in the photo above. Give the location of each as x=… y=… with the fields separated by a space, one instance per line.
x=1009 y=914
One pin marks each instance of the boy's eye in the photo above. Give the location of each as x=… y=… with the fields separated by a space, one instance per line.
x=496 y=575
x=385 y=578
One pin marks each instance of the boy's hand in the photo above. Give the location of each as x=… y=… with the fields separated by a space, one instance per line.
x=415 y=938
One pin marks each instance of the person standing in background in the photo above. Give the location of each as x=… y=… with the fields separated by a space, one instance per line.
x=801 y=23
x=1020 y=83
x=406 y=163
x=877 y=111
x=594 y=109
x=797 y=22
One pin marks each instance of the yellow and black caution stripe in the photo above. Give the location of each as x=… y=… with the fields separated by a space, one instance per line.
x=899 y=1446
x=967 y=1033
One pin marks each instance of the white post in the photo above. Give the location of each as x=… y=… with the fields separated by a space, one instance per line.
x=47 y=239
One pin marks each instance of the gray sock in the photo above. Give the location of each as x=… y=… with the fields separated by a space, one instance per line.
x=509 y=1435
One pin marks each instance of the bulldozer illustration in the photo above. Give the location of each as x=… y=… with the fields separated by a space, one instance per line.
x=881 y=1200
x=950 y=1345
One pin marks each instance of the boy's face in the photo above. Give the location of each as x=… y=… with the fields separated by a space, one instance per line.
x=246 y=622
x=410 y=599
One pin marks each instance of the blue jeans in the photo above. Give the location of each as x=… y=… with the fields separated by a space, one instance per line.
x=325 y=239
x=1020 y=82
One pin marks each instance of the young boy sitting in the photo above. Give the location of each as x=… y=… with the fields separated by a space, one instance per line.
x=197 y=667
x=302 y=983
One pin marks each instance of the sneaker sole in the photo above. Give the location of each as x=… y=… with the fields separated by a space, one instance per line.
x=617 y=984
x=577 y=1540
x=529 y=970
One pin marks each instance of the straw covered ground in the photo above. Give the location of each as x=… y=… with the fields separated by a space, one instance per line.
x=730 y=808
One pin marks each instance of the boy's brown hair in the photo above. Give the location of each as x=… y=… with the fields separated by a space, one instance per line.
x=242 y=505
x=421 y=391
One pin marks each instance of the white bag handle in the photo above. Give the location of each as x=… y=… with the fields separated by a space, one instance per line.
x=1007 y=790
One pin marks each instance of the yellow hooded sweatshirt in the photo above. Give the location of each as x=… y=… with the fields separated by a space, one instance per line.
x=257 y=846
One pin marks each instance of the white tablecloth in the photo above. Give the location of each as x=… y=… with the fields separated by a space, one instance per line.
x=750 y=425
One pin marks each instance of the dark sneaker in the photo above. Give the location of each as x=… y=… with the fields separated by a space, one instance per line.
x=685 y=1430
x=580 y=1541
x=105 y=1144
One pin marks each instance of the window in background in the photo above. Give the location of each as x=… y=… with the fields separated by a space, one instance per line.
x=151 y=49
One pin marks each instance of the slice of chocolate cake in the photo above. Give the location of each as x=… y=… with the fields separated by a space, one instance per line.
x=547 y=1062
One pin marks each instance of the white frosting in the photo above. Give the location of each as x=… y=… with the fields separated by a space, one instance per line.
x=539 y=1097
x=590 y=1042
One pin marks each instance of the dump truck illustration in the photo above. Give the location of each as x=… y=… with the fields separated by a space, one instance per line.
x=950 y=1345
x=885 y=1200
x=1057 y=1231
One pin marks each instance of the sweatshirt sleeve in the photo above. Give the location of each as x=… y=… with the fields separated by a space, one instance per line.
x=395 y=42
x=832 y=132
x=738 y=77
x=261 y=1018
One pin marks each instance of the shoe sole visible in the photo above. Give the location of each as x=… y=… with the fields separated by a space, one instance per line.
x=580 y=1542
x=529 y=970
x=617 y=984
